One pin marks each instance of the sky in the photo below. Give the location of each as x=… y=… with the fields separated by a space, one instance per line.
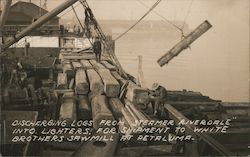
x=226 y=44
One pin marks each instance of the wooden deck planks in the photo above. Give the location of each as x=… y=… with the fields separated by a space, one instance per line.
x=75 y=56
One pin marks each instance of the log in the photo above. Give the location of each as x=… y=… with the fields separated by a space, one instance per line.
x=96 y=65
x=68 y=107
x=136 y=94
x=84 y=110
x=62 y=81
x=109 y=66
x=129 y=118
x=83 y=56
x=139 y=115
x=118 y=77
x=82 y=85
x=116 y=107
x=86 y=64
x=100 y=111
x=76 y=65
x=98 y=148
x=62 y=91
x=68 y=69
x=184 y=43
x=236 y=105
x=111 y=86
x=95 y=81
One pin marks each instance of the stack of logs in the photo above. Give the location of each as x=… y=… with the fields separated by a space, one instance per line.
x=98 y=92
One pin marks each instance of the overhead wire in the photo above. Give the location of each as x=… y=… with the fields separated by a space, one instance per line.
x=130 y=28
x=79 y=21
x=187 y=14
x=70 y=10
x=164 y=18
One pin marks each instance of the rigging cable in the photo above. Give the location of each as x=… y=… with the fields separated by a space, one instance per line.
x=79 y=22
x=188 y=12
x=165 y=19
x=156 y=3
x=69 y=10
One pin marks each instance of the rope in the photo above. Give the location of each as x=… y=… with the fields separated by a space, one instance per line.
x=165 y=19
x=188 y=12
x=156 y=3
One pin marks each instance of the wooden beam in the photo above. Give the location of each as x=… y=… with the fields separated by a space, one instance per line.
x=116 y=107
x=100 y=111
x=109 y=66
x=84 y=110
x=82 y=57
x=68 y=107
x=118 y=77
x=139 y=115
x=68 y=69
x=95 y=81
x=62 y=91
x=111 y=86
x=82 y=85
x=96 y=65
x=177 y=117
x=184 y=43
x=129 y=118
x=136 y=94
x=79 y=56
x=62 y=81
x=76 y=65
x=86 y=64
